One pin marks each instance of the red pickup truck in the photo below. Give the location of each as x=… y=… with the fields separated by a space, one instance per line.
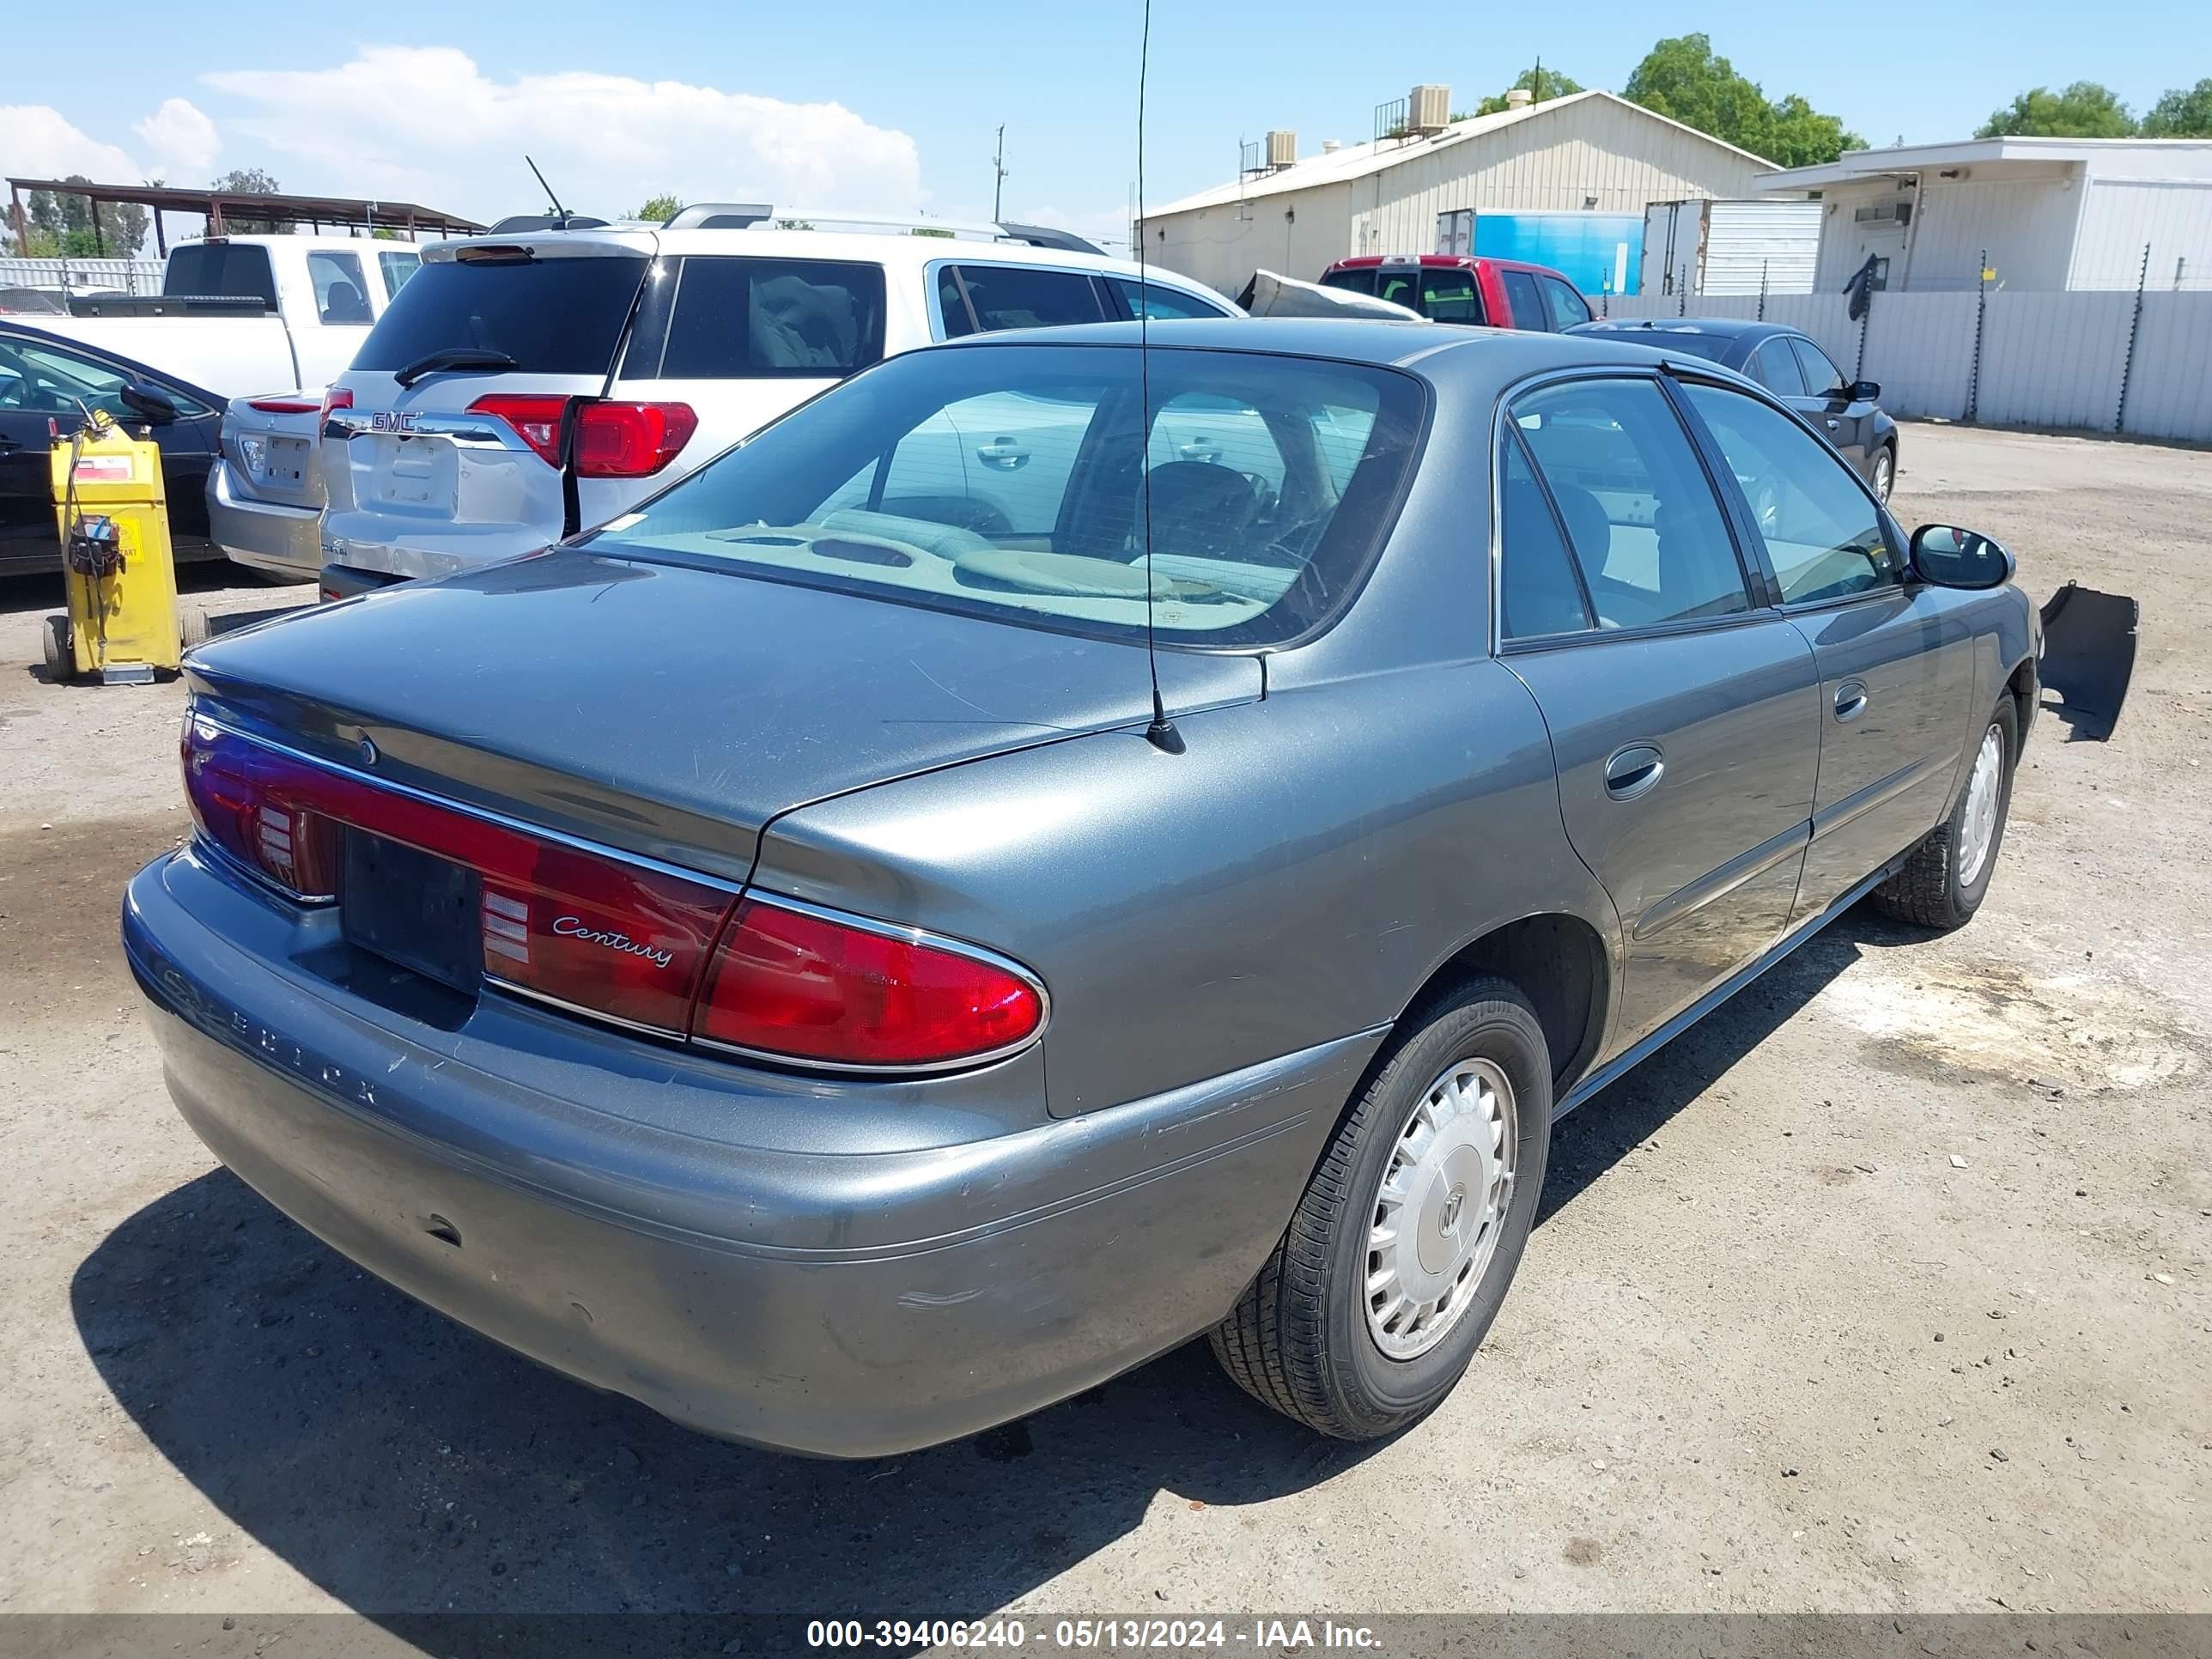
x=1459 y=288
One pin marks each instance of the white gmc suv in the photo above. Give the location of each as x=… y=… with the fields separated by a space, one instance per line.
x=521 y=389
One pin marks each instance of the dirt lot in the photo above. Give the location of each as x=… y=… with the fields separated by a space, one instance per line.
x=1773 y=1348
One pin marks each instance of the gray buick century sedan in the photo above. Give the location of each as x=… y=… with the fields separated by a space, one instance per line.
x=1057 y=846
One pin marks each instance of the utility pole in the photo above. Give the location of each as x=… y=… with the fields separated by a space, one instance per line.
x=998 y=170
x=1536 y=92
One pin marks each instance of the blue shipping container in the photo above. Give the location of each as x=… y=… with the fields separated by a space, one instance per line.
x=1599 y=252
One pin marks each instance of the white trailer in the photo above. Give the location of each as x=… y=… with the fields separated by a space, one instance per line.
x=1730 y=247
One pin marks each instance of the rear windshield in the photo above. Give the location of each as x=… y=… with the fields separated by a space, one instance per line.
x=233 y=270
x=1012 y=481
x=711 y=319
x=552 y=316
x=1714 y=348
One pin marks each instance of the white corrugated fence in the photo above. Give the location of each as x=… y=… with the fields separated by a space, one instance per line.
x=2050 y=359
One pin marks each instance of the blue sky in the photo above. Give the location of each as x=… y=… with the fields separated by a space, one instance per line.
x=437 y=102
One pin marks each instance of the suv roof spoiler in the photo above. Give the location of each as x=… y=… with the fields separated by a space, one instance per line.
x=746 y=215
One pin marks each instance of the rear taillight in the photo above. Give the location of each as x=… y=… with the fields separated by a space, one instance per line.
x=607 y=937
x=801 y=985
x=535 y=420
x=286 y=405
x=336 y=398
x=642 y=944
x=613 y=440
x=631 y=440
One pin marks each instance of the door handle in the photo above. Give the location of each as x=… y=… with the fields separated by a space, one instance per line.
x=1850 y=700
x=1832 y=424
x=1006 y=454
x=8 y=445
x=1633 y=771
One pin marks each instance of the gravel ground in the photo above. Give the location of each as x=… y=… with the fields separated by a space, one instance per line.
x=1883 y=1291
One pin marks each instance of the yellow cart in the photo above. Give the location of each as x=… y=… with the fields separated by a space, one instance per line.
x=113 y=516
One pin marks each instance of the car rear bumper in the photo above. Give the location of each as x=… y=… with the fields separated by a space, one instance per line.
x=849 y=1303
x=266 y=535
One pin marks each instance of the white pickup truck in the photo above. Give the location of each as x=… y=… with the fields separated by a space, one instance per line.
x=250 y=314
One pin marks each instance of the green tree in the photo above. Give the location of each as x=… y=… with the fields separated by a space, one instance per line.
x=659 y=209
x=2184 y=113
x=250 y=181
x=2084 y=110
x=66 y=223
x=1554 y=85
x=1683 y=78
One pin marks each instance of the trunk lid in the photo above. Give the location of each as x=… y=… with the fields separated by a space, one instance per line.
x=270 y=441
x=421 y=484
x=667 y=710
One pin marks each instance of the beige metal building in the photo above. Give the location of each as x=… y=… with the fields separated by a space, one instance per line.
x=1589 y=152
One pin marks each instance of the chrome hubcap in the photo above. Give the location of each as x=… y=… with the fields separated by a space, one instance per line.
x=1882 y=468
x=1978 y=828
x=1441 y=1208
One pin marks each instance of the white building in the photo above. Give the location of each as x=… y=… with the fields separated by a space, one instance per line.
x=2050 y=213
x=1586 y=153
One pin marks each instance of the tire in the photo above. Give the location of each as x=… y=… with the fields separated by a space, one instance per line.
x=1884 y=473
x=61 y=661
x=1937 y=888
x=191 y=626
x=1303 y=1339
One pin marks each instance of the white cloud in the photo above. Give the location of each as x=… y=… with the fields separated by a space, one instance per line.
x=425 y=124
x=39 y=143
x=182 y=142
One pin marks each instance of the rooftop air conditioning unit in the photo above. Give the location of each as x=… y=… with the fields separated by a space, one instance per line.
x=1519 y=98
x=1428 y=109
x=1282 y=148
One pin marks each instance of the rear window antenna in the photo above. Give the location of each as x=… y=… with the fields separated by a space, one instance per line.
x=1161 y=734
x=559 y=213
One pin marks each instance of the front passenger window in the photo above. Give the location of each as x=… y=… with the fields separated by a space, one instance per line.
x=1823 y=533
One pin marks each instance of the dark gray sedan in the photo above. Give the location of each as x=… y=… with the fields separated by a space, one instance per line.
x=797 y=957
x=1791 y=365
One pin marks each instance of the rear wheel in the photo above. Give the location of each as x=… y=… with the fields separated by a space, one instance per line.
x=61 y=661
x=1946 y=878
x=1400 y=1250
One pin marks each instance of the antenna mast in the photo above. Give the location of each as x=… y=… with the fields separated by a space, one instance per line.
x=1161 y=734
x=559 y=212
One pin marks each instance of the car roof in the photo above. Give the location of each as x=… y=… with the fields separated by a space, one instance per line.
x=1723 y=328
x=1431 y=349
x=1437 y=261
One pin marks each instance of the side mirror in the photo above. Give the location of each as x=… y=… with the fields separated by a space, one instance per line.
x=1865 y=391
x=1951 y=557
x=148 y=403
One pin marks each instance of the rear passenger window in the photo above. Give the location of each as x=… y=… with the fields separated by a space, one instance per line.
x=1645 y=526
x=1522 y=299
x=739 y=319
x=1565 y=307
x=1537 y=587
x=1017 y=296
x=1154 y=301
x=1449 y=296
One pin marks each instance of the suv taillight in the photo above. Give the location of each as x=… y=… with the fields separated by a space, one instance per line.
x=799 y=984
x=613 y=440
x=646 y=947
